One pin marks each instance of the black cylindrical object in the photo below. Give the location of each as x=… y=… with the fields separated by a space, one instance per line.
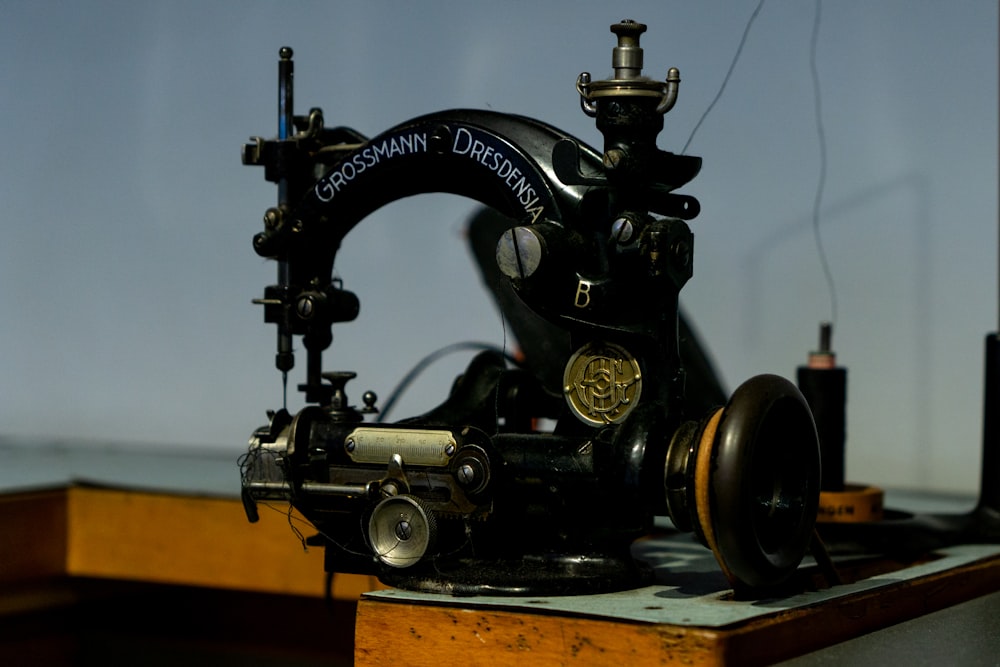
x=989 y=489
x=824 y=385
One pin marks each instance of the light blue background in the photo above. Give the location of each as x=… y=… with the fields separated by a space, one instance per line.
x=126 y=270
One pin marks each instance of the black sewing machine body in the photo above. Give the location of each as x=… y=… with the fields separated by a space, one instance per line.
x=470 y=497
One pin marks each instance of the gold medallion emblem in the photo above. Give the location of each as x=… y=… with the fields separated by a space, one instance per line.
x=602 y=383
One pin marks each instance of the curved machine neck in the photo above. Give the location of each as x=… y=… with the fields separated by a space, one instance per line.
x=584 y=251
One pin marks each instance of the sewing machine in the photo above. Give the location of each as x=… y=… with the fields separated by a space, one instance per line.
x=546 y=467
x=471 y=496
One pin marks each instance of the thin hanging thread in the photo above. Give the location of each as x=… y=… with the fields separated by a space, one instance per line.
x=732 y=66
x=821 y=183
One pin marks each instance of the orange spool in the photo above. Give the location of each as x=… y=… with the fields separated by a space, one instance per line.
x=855 y=504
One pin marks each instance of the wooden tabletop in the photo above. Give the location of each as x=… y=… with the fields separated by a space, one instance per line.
x=671 y=623
x=136 y=535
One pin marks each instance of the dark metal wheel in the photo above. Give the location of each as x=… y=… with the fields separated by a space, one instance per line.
x=757 y=482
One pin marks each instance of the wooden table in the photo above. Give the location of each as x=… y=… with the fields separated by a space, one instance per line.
x=669 y=624
x=88 y=571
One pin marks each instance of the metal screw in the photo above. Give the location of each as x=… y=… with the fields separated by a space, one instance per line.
x=272 y=217
x=519 y=252
x=349 y=445
x=449 y=450
x=306 y=307
x=614 y=158
x=403 y=530
x=621 y=230
x=466 y=474
x=389 y=489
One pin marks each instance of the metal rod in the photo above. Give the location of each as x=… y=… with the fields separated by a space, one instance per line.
x=285 y=359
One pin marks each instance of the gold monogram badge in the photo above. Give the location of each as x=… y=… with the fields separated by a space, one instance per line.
x=602 y=383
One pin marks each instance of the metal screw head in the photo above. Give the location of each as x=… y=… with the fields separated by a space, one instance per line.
x=403 y=530
x=272 y=217
x=449 y=450
x=466 y=474
x=519 y=252
x=614 y=158
x=622 y=230
x=306 y=307
x=349 y=445
x=389 y=489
